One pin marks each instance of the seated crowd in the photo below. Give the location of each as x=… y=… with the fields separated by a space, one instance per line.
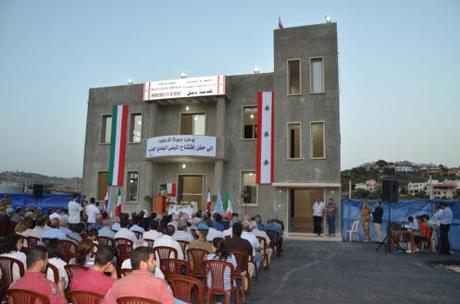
x=147 y=256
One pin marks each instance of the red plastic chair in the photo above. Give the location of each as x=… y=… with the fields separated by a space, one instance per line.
x=164 y=252
x=69 y=250
x=22 y=296
x=183 y=246
x=196 y=256
x=124 y=248
x=174 y=266
x=103 y=240
x=264 y=247
x=216 y=269
x=242 y=261
x=124 y=272
x=85 y=297
x=135 y=300
x=6 y=266
x=274 y=238
x=187 y=289
x=149 y=242
x=73 y=269
x=55 y=272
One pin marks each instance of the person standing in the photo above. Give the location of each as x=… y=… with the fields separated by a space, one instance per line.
x=365 y=218
x=445 y=220
x=377 y=220
x=92 y=212
x=318 y=210
x=74 y=211
x=331 y=210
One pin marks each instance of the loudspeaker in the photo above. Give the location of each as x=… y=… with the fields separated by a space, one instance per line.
x=390 y=191
x=37 y=190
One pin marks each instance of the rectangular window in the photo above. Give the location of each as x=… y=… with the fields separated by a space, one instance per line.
x=248 y=188
x=294 y=141
x=316 y=75
x=294 y=77
x=135 y=128
x=191 y=189
x=249 y=122
x=101 y=185
x=106 y=130
x=193 y=124
x=317 y=140
x=132 y=185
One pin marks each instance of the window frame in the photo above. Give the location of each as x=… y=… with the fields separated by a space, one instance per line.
x=131 y=115
x=128 y=200
x=323 y=80
x=193 y=112
x=241 y=188
x=242 y=121
x=102 y=115
x=288 y=76
x=324 y=139
x=288 y=141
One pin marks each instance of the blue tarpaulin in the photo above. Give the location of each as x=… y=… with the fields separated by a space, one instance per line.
x=45 y=203
x=400 y=211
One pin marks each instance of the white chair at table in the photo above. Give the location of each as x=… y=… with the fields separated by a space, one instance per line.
x=353 y=231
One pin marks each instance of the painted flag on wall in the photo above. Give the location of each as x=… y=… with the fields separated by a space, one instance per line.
x=119 y=203
x=265 y=137
x=117 y=145
x=169 y=188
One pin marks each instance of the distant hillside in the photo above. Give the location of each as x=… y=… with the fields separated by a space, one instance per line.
x=52 y=184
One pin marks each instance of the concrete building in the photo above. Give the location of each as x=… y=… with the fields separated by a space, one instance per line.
x=444 y=190
x=222 y=121
x=414 y=188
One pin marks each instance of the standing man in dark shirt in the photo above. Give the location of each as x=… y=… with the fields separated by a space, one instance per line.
x=377 y=220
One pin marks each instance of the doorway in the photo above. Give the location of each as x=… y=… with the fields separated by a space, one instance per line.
x=300 y=209
x=191 y=189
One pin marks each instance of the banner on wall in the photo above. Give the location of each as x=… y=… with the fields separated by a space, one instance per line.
x=265 y=137
x=117 y=145
x=181 y=145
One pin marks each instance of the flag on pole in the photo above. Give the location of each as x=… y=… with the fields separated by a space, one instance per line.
x=117 y=145
x=280 y=24
x=169 y=188
x=119 y=203
x=228 y=205
x=218 y=207
x=265 y=137
x=209 y=201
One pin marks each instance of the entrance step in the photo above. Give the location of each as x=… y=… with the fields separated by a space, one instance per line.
x=313 y=237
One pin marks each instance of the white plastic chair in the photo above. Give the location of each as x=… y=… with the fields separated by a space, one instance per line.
x=353 y=231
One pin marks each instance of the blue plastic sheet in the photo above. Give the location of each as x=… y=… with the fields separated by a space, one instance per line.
x=400 y=211
x=45 y=203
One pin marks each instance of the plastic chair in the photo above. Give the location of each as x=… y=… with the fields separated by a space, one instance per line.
x=353 y=231
x=6 y=266
x=135 y=300
x=174 y=266
x=274 y=239
x=22 y=296
x=124 y=248
x=69 y=249
x=184 y=246
x=125 y=271
x=242 y=261
x=263 y=244
x=149 y=242
x=138 y=234
x=85 y=297
x=164 y=252
x=32 y=241
x=187 y=289
x=103 y=240
x=55 y=272
x=73 y=269
x=216 y=269
x=196 y=256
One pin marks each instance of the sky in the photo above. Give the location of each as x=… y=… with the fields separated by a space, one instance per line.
x=399 y=68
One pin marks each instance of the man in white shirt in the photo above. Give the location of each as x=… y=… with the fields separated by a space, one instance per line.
x=168 y=241
x=53 y=232
x=259 y=233
x=124 y=232
x=318 y=211
x=74 y=211
x=182 y=234
x=213 y=233
x=105 y=231
x=40 y=226
x=153 y=233
x=252 y=239
x=92 y=212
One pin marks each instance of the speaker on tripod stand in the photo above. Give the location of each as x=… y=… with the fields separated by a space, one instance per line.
x=390 y=194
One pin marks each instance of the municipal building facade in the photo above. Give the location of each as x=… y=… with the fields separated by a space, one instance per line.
x=271 y=140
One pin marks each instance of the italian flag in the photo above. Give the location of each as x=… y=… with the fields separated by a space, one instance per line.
x=228 y=205
x=118 y=144
x=265 y=137
x=169 y=188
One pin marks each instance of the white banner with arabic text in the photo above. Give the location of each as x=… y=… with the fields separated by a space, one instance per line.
x=181 y=145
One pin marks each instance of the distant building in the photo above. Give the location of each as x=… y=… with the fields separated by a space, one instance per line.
x=433 y=170
x=444 y=190
x=11 y=188
x=414 y=188
x=369 y=185
x=454 y=171
x=370 y=166
x=404 y=169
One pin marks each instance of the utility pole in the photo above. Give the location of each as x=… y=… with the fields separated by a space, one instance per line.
x=349 y=189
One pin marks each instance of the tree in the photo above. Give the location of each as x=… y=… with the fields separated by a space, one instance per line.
x=361 y=193
x=381 y=163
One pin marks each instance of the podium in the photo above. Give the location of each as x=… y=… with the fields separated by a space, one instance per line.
x=159 y=204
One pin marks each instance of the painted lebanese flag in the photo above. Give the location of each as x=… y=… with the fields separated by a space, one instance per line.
x=117 y=145
x=265 y=137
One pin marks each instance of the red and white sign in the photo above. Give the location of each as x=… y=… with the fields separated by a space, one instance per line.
x=184 y=87
x=265 y=137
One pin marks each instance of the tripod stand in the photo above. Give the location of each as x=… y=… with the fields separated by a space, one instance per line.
x=389 y=238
